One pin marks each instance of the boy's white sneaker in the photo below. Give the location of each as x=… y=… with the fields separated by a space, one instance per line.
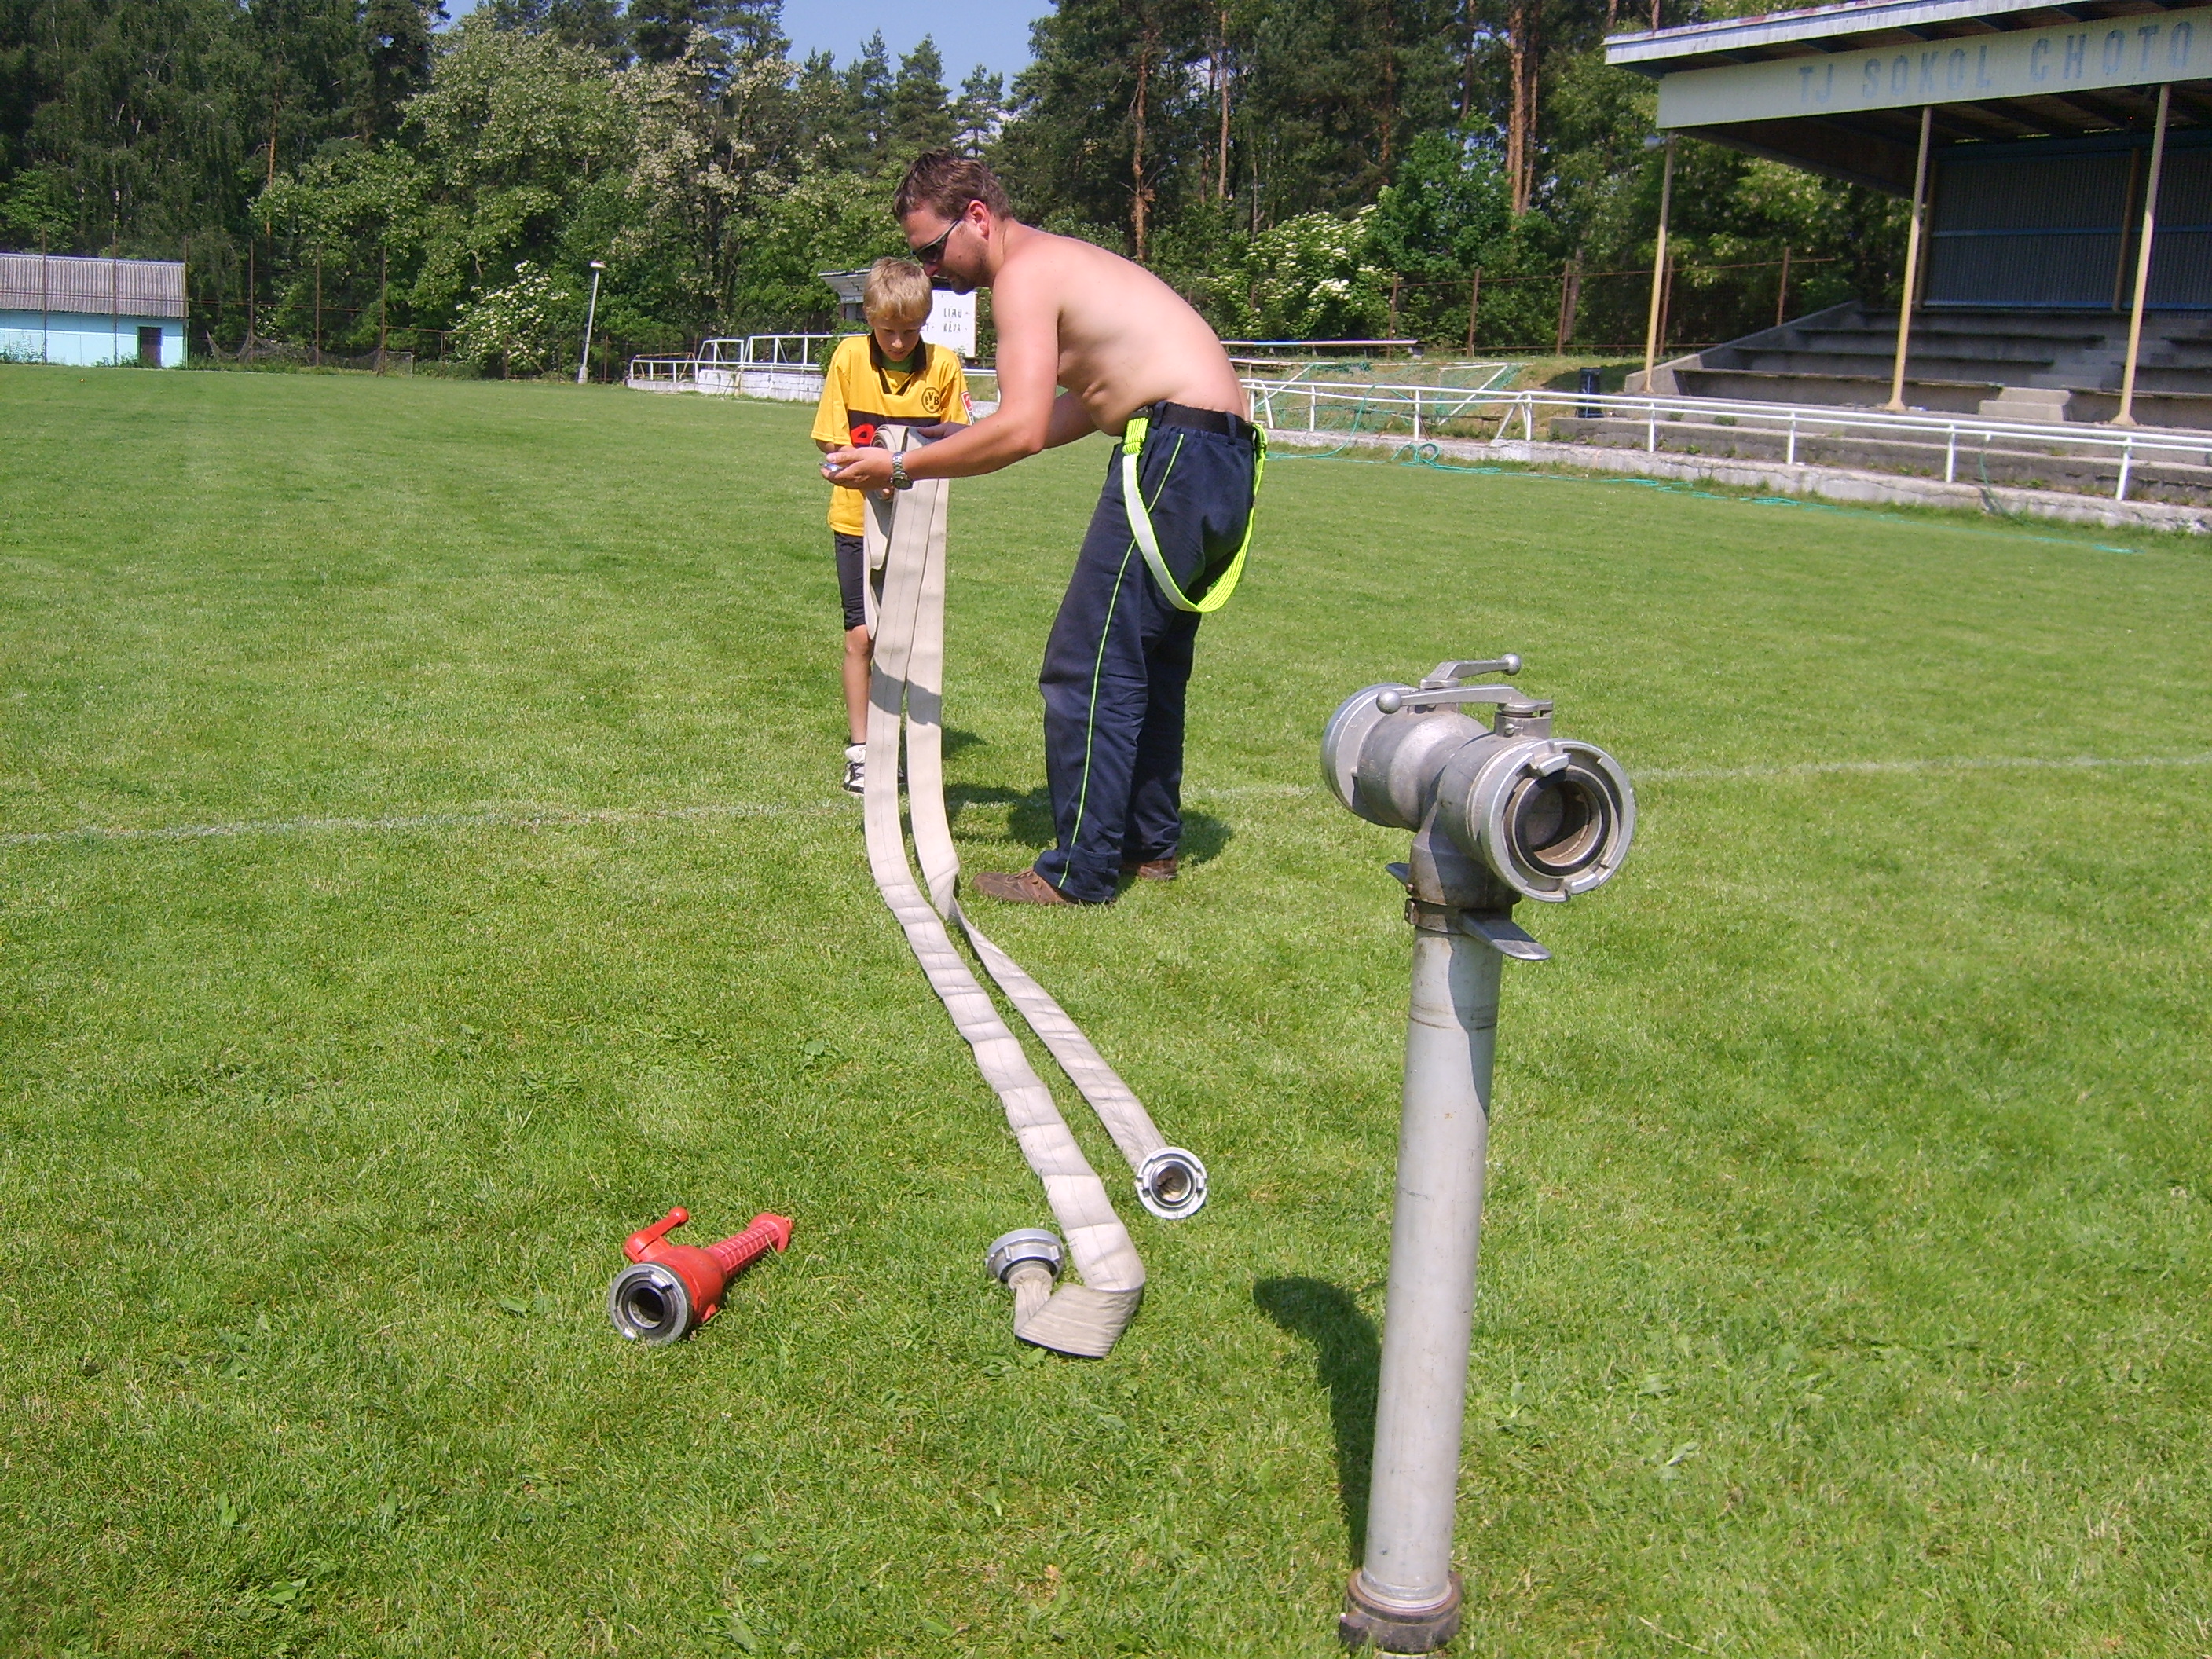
x=856 y=766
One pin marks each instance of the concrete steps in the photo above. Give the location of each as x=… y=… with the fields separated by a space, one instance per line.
x=2013 y=365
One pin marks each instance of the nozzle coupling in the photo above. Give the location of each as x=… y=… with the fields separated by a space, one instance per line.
x=671 y=1289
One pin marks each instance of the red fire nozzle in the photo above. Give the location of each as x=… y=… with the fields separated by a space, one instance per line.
x=673 y=1289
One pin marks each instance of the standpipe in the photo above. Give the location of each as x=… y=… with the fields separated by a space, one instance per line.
x=905 y=535
x=1499 y=813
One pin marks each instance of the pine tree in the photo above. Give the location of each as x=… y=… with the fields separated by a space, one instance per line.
x=978 y=111
x=921 y=118
x=398 y=50
x=868 y=98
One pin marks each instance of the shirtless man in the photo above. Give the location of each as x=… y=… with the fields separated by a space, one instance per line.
x=1125 y=346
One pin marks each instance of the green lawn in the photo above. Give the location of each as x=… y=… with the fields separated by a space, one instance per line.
x=421 y=864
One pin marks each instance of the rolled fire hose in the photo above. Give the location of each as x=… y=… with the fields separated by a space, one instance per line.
x=906 y=542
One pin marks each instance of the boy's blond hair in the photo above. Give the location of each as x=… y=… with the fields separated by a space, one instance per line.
x=897 y=292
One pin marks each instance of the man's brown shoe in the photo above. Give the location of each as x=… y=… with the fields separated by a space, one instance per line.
x=1152 y=869
x=1027 y=887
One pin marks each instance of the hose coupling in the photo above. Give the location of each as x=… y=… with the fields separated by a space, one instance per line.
x=1171 y=1183
x=1023 y=1245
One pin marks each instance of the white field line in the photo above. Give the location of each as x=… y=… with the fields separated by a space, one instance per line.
x=1968 y=763
x=563 y=818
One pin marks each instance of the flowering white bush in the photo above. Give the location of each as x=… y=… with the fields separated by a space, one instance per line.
x=525 y=323
x=1313 y=277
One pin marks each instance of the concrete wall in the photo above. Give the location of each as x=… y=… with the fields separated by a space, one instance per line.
x=85 y=339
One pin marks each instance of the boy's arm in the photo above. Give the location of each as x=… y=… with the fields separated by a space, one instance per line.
x=832 y=430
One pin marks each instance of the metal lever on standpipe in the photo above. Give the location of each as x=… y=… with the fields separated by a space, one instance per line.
x=671 y=1289
x=1499 y=813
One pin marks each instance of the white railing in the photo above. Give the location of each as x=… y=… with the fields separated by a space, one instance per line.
x=663 y=374
x=762 y=350
x=1315 y=346
x=1422 y=410
x=1485 y=376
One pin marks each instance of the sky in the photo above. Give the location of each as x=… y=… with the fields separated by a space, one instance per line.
x=993 y=33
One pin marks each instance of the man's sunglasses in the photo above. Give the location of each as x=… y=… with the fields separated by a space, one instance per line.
x=931 y=253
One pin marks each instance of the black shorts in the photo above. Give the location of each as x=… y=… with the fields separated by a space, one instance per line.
x=852 y=577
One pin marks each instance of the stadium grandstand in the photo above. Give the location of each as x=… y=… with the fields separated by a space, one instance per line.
x=2058 y=162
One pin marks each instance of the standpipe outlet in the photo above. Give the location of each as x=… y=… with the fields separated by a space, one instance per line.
x=1500 y=813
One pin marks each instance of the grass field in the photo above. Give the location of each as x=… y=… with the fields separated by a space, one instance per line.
x=421 y=864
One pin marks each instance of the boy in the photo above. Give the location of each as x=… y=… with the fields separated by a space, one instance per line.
x=890 y=374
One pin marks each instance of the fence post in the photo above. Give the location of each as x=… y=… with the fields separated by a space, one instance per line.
x=2127 y=460
x=1312 y=410
x=1951 y=457
x=1417 y=415
x=1792 y=458
x=1652 y=426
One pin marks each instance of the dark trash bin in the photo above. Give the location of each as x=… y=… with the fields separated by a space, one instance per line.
x=1589 y=384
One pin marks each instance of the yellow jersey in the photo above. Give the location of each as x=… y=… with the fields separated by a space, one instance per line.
x=860 y=392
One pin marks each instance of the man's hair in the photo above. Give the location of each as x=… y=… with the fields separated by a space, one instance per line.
x=897 y=291
x=946 y=181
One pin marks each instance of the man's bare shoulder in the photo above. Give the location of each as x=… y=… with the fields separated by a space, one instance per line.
x=1045 y=255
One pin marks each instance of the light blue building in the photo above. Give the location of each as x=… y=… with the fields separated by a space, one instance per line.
x=62 y=309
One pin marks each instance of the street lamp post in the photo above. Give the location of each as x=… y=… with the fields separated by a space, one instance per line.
x=591 y=315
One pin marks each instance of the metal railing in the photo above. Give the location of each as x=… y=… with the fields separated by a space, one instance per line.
x=762 y=350
x=1345 y=409
x=1422 y=410
x=663 y=374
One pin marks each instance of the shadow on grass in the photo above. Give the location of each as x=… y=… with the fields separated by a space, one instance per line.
x=1348 y=1355
x=1028 y=820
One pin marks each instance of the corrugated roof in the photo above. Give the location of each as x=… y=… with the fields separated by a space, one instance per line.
x=123 y=287
x=1823 y=29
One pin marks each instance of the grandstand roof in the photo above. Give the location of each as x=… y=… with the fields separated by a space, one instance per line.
x=1839 y=88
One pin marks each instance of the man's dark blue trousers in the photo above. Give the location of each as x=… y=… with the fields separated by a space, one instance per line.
x=1118 y=660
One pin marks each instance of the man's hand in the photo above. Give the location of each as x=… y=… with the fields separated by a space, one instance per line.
x=868 y=470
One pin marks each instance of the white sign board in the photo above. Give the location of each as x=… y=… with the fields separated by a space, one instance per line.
x=951 y=322
x=2113 y=51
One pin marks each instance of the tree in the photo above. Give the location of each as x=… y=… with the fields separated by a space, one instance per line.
x=515 y=130
x=979 y=111
x=1110 y=115
x=595 y=25
x=921 y=118
x=399 y=52
x=868 y=101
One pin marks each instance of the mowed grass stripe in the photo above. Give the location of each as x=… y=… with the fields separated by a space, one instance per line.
x=1845 y=1288
x=557 y=817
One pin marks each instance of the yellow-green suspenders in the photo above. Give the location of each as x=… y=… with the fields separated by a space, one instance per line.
x=1141 y=522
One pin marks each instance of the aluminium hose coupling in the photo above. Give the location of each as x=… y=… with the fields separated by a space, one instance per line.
x=1023 y=1247
x=1027 y=1261
x=1171 y=1183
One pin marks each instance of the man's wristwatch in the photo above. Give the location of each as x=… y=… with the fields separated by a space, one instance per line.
x=899 y=480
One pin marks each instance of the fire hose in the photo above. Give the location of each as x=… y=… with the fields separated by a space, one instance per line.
x=906 y=543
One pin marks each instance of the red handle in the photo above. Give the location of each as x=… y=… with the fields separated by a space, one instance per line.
x=739 y=1251
x=645 y=1238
